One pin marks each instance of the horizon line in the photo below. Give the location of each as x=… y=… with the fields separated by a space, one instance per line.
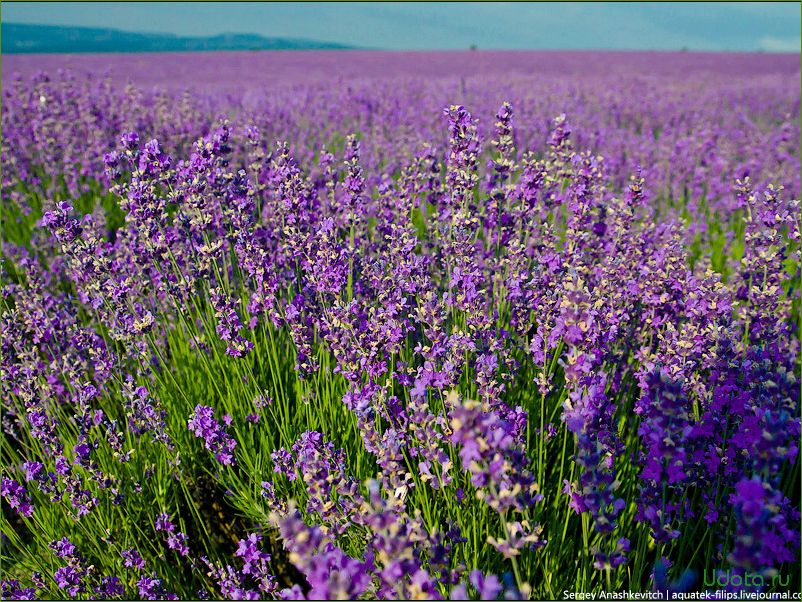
x=347 y=48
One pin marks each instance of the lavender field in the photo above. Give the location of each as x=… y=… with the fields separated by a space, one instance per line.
x=365 y=325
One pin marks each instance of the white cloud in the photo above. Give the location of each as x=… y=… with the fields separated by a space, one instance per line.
x=774 y=44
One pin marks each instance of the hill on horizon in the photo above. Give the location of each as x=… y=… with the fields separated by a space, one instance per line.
x=23 y=38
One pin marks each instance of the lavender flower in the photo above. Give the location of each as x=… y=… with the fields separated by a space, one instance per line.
x=216 y=440
x=17 y=497
x=132 y=559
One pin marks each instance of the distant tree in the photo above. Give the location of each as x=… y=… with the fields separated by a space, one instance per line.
x=473 y=46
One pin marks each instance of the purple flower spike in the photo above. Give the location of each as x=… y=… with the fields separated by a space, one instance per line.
x=216 y=440
x=16 y=496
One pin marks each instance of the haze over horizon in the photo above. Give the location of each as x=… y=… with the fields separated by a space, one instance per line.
x=703 y=26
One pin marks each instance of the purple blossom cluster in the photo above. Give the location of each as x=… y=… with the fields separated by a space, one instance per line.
x=16 y=497
x=176 y=540
x=433 y=351
x=215 y=438
x=253 y=579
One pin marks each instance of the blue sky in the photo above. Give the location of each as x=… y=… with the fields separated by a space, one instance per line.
x=749 y=26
